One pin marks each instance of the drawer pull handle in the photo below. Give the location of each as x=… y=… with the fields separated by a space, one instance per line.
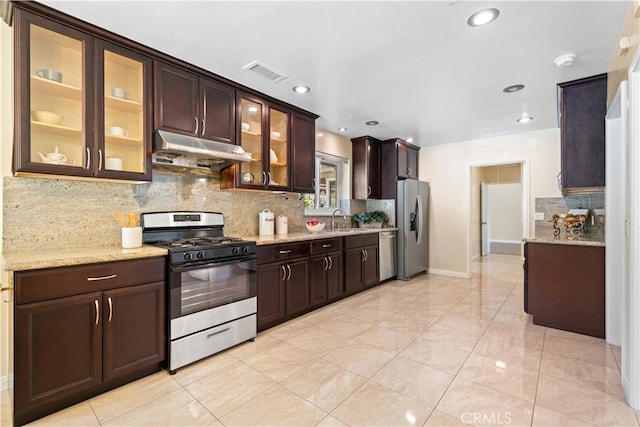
x=95 y=302
x=218 y=333
x=94 y=279
x=110 y=309
x=285 y=252
x=327 y=245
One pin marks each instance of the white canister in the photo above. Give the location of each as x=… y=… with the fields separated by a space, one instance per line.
x=281 y=224
x=266 y=222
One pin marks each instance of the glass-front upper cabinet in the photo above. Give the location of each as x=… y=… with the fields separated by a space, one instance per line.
x=124 y=126
x=278 y=172
x=51 y=97
x=252 y=174
x=81 y=104
x=263 y=133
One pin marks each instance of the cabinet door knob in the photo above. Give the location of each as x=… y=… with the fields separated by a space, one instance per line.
x=289 y=275
x=204 y=126
x=99 y=159
x=264 y=178
x=284 y=272
x=88 y=158
x=330 y=262
x=368 y=190
x=197 y=123
x=110 y=309
x=325 y=263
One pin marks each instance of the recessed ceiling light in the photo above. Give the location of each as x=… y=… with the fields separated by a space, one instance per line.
x=524 y=119
x=342 y=129
x=483 y=17
x=372 y=123
x=301 y=89
x=564 y=60
x=513 y=88
x=409 y=139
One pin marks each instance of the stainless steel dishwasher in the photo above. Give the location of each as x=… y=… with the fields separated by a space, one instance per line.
x=387 y=251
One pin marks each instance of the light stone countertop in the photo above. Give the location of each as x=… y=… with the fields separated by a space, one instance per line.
x=301 y=236
x=32 y=260
x=577 y=241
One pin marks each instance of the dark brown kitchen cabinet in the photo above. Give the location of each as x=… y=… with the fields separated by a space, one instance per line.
x=282 y=282
x=192 y=105
x=303 y=153
x=82 y=105
x=270 y=294
x=361 y=262
x=83 y=330
x=583 y=105
x=565 y=287
x=282 y=146
x=399 y=160
x=365 y=176
x=326 y=278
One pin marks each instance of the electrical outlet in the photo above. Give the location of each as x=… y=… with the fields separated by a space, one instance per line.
x=539 y=216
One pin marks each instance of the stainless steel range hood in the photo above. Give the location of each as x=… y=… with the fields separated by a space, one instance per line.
x=173 y=149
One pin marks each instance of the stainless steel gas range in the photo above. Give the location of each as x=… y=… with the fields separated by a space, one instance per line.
x=211 y=284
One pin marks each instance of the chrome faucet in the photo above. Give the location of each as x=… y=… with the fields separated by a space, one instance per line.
x=333 y=217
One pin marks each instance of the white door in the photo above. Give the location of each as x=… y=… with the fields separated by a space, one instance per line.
x=484 y=218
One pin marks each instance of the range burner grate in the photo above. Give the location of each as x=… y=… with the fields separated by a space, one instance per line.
x=198 y=241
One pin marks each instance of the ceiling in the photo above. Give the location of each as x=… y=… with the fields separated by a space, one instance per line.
x=416 y=67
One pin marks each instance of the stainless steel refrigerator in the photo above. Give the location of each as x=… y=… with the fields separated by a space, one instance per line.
x=413 y=228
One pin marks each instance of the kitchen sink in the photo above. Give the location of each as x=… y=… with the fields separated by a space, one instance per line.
x=341 y=230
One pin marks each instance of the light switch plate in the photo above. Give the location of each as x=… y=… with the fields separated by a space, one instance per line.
x=539 y=216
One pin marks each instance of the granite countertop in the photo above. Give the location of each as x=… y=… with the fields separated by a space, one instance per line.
x=301 y=236
x=564 y=240
x=31 y=260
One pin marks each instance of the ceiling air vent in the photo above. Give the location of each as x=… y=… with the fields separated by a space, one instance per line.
x=265 y=71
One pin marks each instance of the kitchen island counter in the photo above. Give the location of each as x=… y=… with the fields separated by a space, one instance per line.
x=301 y=236
x=563 y=240
x=32 y=260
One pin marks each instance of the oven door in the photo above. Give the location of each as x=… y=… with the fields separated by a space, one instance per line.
x=197 y=288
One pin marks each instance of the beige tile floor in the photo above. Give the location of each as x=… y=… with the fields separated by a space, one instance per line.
x=422 y=352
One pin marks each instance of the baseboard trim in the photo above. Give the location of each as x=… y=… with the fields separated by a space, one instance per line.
x=449 y=273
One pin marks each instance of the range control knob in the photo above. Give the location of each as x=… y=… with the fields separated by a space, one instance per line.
x=245 y=249
x=235 y=251
x=188 y=256
x=199 y=255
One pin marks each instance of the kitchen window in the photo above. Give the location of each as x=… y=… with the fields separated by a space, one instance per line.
x=329 y=172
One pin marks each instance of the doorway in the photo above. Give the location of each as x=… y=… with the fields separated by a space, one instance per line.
x=497 y=209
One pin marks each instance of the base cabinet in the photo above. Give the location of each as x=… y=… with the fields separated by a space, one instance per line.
x=71 y=347
x=361 y=262
x=283 y=282
x=326 y=277
x=565 y=287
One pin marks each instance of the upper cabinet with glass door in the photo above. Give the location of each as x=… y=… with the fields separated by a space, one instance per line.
x=264 y=132
x=124 y=122
x=52 y=126
x=66 y=122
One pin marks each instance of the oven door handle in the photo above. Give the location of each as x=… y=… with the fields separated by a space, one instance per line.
x=200 y=265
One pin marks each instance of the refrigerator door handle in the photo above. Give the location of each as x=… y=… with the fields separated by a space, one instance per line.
x=419 y=219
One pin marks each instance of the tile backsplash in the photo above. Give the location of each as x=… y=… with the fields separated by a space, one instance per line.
x=561 y=205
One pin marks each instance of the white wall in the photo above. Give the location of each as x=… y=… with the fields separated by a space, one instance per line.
x=6 y=126
x=505 y=212
x=447 y=168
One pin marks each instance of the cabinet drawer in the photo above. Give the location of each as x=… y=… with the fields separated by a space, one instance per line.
x=326 y=245
x=360 y=241
x=282 y=251
x=40 y=285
